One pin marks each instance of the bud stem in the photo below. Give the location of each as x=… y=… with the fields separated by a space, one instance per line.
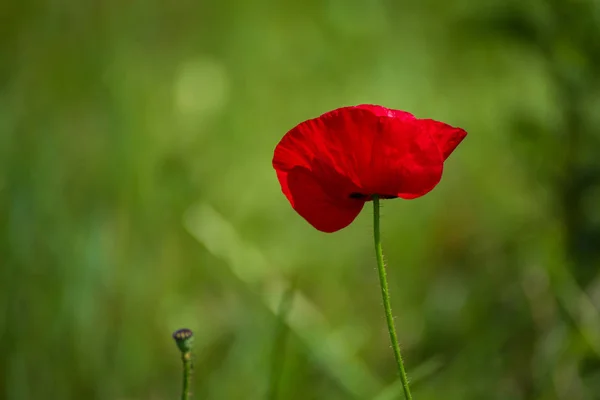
x=184 y=339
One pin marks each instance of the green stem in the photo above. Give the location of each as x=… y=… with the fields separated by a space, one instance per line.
x=184 y=338
x=186 y=358
x=385 y=294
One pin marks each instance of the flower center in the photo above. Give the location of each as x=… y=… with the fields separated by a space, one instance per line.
x=362 y=196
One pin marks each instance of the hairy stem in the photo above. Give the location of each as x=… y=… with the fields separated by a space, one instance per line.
x=385 y=294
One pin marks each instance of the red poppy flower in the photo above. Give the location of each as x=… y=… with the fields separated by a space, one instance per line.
x=329 y=166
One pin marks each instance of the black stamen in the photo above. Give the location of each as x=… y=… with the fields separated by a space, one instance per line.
x=362 y=196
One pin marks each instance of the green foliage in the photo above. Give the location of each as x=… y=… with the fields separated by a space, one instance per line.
x=137 y=196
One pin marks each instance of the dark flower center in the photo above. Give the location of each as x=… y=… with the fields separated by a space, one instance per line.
x=362 y=196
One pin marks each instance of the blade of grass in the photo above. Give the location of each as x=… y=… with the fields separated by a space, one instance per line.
x=280 y=340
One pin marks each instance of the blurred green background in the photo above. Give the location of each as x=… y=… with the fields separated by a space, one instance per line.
x=137 y=197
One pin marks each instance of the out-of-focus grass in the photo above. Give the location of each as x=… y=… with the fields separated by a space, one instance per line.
x=137 y=196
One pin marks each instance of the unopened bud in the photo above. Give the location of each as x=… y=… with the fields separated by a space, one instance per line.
x=184 y=338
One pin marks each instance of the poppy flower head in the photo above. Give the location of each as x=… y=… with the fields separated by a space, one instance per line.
x=329 y=166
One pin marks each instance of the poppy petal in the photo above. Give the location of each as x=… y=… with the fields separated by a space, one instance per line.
x=311 y=199
x=340 y=141
x=406 y=161
x=381 y=111
x=446 y=136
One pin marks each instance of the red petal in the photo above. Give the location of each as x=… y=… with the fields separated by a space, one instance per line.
x=312 y=201
x=447 y=137
x=340 y=141
x=406 y=160
x=381 y=111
